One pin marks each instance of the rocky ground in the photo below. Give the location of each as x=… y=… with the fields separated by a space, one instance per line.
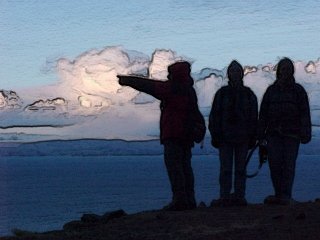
x=258 y=221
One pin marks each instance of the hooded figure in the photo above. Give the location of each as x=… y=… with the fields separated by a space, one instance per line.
x=284 y=121
x=232 y=124
x=178 y=99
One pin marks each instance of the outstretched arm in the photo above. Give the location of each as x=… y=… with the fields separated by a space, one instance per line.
x=153 y=87
x=139 y=83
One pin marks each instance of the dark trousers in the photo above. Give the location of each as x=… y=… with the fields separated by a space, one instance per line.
x=282 y=156
x=177 y=158
x=229 y=153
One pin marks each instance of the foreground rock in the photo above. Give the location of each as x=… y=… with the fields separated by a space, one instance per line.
x=300 y=221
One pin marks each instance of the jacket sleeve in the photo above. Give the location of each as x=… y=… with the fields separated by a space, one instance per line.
x=305 y=119
x=263 y=116
x=155 y=88
x=215 y=120
x=253 y=117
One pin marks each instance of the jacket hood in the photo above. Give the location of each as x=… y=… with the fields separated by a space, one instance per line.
x=179 y=72
x=288 y=63
x=288 y=80
x=235 y=81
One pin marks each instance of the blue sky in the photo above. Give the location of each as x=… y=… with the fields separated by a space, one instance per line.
x=35 y=33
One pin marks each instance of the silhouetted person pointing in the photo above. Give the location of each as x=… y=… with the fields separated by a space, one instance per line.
x=178 y=98
x=284 y=121
x=233 y=125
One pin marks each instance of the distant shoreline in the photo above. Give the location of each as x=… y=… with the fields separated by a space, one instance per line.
x=113 y=147
x=92 y=147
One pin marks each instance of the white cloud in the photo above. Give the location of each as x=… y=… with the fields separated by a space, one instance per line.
x=88 y=102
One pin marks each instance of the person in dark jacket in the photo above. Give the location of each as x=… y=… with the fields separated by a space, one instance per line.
x=284 y=122
x=233 y=124
x=177 y=97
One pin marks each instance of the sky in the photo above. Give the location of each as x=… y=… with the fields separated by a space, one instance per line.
x=61 y=59
x=35 y=34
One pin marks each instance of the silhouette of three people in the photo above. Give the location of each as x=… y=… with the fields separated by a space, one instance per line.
x=283 y=122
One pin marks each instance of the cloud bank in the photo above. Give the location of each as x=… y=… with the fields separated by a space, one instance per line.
x=88 y=102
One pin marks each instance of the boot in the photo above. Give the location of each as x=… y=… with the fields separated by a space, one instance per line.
x=179 y=202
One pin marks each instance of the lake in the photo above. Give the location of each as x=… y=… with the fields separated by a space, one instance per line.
x=42 y=193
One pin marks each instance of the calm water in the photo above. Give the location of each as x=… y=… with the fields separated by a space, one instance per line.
x=42 y=193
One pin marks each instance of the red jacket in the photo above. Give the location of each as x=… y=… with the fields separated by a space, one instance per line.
x=177 y=98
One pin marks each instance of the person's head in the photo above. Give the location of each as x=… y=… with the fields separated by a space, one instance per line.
x=180 y=72
x=235 y=73
x=285 y=70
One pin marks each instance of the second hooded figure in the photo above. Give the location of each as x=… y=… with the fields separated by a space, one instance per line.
x=233 y=126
